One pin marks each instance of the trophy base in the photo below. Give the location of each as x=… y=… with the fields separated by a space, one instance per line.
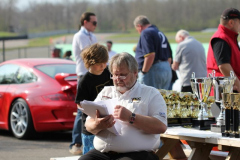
x=218 y=128
x=186 y=121
x=173 y=122
x=203 y=124
x=234 y=135
x=225 y=134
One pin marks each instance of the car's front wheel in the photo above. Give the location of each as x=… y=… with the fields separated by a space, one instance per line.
x=20 y=119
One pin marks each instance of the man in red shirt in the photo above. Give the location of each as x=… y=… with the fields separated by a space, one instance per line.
x=223 y=52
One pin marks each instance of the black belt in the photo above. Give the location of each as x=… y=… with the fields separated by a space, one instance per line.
x=156 y=61
x=112 y=153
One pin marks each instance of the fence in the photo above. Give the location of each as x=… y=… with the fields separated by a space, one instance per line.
x=36 y=52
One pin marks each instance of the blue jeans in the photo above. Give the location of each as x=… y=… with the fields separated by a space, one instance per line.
x=170 y=87
x=77 y=129
x=159 y=75
x=87 y=142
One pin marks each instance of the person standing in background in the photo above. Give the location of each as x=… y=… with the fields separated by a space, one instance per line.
x=82 y=39
x=111 y=53
x=152 y=55
x=224 y=52
x=67 y=55
x=190 y=57
x=56 y=53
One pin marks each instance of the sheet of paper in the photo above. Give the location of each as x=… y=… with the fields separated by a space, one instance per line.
x=105 y=108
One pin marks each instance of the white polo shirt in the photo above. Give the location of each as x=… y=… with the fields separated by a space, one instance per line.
x=81 y=40
x=141 y=99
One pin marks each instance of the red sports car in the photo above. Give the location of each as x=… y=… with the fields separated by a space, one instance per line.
x=37 y=94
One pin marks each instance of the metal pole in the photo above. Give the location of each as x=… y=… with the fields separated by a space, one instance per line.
x=25 y=52
x=49 y=50
x=19 y=53
x=3 y=50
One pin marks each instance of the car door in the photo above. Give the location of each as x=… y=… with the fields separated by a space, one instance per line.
x=7 y=77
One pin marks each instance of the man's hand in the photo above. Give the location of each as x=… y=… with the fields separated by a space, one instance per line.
x=122 y=113
x=97 y=124
x=105 y=122
x=79 y=106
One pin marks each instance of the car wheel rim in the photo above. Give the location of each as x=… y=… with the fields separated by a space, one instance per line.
x=19 y=119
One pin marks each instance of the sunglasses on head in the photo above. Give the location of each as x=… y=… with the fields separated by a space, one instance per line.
x=94 y=23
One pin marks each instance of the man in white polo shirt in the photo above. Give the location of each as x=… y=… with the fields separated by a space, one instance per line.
x=82 y=39
x=141 y=110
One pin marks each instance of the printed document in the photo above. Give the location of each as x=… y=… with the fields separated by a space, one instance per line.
x=105 y=108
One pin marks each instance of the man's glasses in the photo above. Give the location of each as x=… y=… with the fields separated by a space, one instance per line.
x=94 y=23
x=114 y=77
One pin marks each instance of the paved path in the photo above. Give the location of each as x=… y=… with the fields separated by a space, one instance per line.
x=101 y=37
x=14 y=43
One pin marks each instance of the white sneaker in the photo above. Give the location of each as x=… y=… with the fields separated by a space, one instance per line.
x=76 y=150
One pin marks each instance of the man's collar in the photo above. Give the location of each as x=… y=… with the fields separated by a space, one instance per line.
x=85 y=31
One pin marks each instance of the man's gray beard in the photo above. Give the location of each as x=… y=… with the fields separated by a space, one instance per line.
x=121 y=89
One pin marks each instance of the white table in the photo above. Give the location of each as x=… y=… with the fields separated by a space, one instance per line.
x=201 y=143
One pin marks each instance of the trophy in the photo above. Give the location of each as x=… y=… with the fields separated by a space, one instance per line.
x=185 y=108
x=201 y=88
x=235 y=101
x=195 y=106
x=222 y=85
x=170 y=98
x=209 y=103
x=227 y=105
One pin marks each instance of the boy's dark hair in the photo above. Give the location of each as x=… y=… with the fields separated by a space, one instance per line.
x=96 y=53
x=85 y=16
x=109 y=42
x=67 y=54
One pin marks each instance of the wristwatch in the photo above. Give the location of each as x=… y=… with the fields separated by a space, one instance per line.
x=132 y=118
x=143 y=72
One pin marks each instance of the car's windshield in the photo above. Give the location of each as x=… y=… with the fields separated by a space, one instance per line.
x=53 y=69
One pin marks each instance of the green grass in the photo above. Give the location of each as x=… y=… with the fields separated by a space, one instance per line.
x=132 y=37
x=7 y=34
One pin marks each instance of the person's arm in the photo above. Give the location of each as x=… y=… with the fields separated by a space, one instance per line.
x=170 y=53
x=222 y=54
x=178 y=57
x=97 y=124
x=175 y=65
x=170 y=61
x=225 y=70
x=148 y=61
x=148 y=124
x=153 y=123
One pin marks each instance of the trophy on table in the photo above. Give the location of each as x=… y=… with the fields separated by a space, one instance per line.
x=185 y=108
x=221 y=85
x=209 y=103
x=195 y=106
x=227 y=105
x=235 y=102
x=201 y=88
x=171 y=99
